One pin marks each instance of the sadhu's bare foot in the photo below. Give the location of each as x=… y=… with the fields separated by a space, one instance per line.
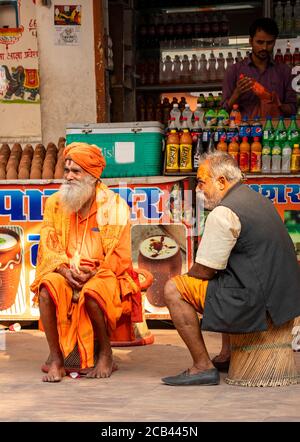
x=55 y=373
x=104 y=367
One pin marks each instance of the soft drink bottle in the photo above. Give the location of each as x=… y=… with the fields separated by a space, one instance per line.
x=229 y=60
x=233 y=149
x=166 y=109
x=176 y=73
x=207 y=133
x=175 y=115
x=198 y=117
x=198 y=151
x=185 y=72
x=295 y=160
x=185 y=149
x=256 y=129
x=187 y=117
x=221 y=67
x=194 y=68
x=278 y=16
x=276 y=158
x=296 y=57
x=172 y=152
x=266 y=159
x=288 y=17
x=297 y=17
x=286 y=158
x=236 y=114
x=220 y=130
x=196 y=133
x=182 y=104
x=280 y=132
x=222 y=145
x=212 y=73
x=278 y=56
x=288 y=58
x=244 y=160
x=238 y=57
x=232 y=130
x=210 y=101
x=203 y=73
x=245 y=128
x=268 y=132
x=293 y=132
x=211 y=145
x=258 y=89
x=255 y=158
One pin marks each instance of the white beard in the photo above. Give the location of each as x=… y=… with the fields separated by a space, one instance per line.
x=75 y=194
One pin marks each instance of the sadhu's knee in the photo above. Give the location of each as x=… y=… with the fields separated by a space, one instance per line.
x=170 y=290
x=44 y=295
x=90 y=303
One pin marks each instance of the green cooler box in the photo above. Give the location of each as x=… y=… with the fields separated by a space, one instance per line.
x=130 y=149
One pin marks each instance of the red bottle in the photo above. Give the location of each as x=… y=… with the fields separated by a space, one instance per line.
x=296 y=57
x=278 y=56
x=288 y=58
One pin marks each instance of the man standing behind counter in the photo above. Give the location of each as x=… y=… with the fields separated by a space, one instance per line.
x=260 y=66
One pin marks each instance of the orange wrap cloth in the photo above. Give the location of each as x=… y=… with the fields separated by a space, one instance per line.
x=107 y=248
x=87 y=156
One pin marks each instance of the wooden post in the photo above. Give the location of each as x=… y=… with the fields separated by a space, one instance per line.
x=100 y=62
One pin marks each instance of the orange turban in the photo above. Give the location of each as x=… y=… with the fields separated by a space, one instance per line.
x=87 y=156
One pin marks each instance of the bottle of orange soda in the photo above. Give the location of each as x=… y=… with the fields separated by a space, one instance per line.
x=233 y=149
x=222 y=145
x=236 y=114
x=244 y=160
x=255 y=158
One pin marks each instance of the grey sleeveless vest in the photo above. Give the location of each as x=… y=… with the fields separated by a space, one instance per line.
x=262 y=273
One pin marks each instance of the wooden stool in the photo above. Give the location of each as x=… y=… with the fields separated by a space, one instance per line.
x=263 y=359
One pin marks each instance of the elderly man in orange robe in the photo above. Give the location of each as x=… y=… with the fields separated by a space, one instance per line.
x=84 y=280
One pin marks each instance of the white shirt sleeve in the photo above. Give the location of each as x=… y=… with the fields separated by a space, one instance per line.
x=221 y=231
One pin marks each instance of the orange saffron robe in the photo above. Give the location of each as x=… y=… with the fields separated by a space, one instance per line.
x=107 y=248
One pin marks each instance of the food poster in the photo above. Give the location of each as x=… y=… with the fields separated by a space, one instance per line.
x=67 y=24
x=19 y=75
x=157 y=211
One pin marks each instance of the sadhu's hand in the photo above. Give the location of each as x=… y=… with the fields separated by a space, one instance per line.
x=82 y=275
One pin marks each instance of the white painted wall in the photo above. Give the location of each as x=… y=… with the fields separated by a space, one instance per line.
x=20 y=116
x=67 y=73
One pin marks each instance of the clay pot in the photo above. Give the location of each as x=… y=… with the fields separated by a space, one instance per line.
x=35 y=173
x=17 y=149
x=11 y=174
x=10 y=269
x=47 y=174
x=5 y=149
x=40 y=149
x=28 y=150
x=2 y=172
x=59 y=170
x=24 y=173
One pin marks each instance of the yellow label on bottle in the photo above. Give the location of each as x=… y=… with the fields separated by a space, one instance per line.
x=185 y=164
x=172 y=160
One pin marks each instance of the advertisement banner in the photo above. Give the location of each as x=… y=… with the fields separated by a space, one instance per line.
x=163 y=232
x=162 y=239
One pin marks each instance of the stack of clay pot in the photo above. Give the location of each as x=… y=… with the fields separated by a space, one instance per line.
x=32 y=163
